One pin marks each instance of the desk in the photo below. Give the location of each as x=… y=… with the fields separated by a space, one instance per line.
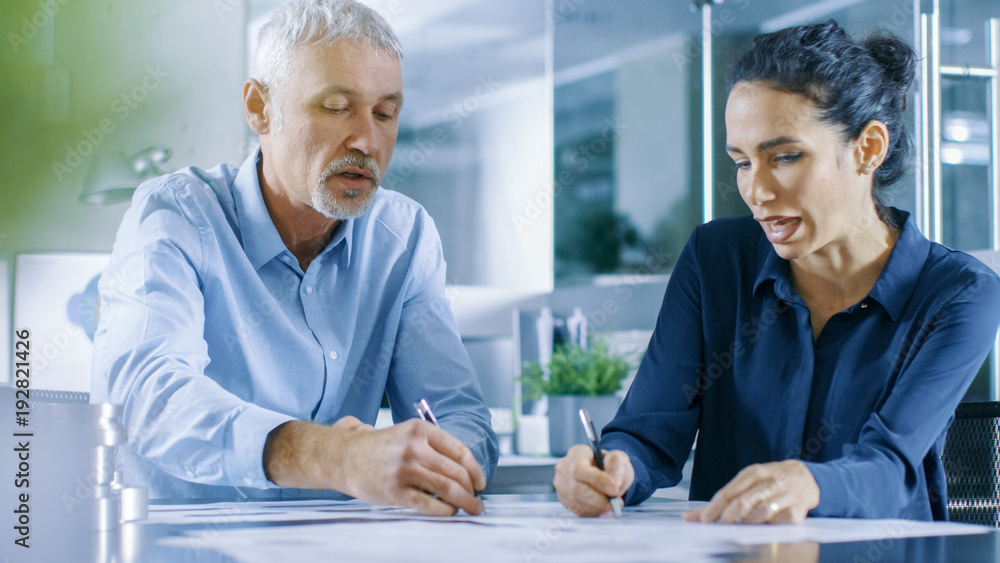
x=369 y=533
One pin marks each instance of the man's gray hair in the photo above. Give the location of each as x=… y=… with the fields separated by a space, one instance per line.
x=323 y=22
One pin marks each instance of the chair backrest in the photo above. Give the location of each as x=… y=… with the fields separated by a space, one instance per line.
x=972 y=464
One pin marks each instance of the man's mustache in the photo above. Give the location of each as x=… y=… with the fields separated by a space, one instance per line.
x=357 y=160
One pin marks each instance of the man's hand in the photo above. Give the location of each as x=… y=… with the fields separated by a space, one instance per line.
x=781 y=492
x=413 y=464
x=583 y=488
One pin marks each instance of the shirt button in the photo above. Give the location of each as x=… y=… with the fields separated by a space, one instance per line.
x=247 y=481
x=333 y=354
x=286 y=259
x=864 y=304
x=309 y=289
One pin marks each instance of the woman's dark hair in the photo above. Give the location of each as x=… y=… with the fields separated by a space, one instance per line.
x=851 y=82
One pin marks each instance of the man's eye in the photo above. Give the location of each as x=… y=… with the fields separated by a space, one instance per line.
x=742 y=164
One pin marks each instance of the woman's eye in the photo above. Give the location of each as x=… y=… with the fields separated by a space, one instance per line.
x=792 y=157
x=742 y=164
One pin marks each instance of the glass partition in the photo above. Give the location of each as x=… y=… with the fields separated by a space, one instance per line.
x=626 y=109
x=475 y=137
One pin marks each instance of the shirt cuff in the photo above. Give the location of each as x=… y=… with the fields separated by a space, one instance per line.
x=243 y=459
x=833 y=491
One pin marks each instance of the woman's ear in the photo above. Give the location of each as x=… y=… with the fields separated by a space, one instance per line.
x=257 y=107
x=873 y=145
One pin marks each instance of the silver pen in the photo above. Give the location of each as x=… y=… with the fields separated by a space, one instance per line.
x=595 y=444
x=425 y=413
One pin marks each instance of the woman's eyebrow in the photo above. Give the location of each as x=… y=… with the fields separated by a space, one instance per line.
x=766 y=144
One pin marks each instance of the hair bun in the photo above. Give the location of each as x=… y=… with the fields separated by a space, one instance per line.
x=897 y=59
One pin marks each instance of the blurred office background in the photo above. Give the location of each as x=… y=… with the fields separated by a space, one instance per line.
x=559 y=144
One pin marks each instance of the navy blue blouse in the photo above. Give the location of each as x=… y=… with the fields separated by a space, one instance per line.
x=866 y=406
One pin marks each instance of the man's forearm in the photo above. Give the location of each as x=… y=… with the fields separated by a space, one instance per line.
x=289 y=454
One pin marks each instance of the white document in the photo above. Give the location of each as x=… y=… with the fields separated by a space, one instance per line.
x=529 y=531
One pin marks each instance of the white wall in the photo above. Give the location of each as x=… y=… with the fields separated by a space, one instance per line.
x=148 y=73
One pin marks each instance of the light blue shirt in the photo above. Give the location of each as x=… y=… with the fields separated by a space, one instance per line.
x=211 y=335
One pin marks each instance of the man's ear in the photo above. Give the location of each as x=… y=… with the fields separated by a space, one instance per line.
x=257 y=107
x=873 y=145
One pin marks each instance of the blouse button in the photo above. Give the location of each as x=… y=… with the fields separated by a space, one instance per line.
x=333 y=354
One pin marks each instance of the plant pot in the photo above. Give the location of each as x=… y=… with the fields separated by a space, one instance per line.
x=565 y=428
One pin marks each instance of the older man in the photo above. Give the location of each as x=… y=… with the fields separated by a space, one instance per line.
x=252 y=318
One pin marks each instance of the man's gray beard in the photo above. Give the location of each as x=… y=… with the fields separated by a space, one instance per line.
x=353 y=203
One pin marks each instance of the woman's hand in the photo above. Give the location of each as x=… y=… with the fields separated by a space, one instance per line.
x=583 y=488
x=781 y=492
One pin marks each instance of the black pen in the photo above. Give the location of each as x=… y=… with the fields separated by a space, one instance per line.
x=425 y=413
x=595 y=444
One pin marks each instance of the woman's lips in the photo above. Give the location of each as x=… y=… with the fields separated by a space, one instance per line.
x=779 y=229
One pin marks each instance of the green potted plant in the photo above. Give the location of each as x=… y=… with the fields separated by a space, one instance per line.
x=576 y=378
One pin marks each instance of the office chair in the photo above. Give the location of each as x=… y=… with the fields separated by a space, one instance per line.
x=971 y=459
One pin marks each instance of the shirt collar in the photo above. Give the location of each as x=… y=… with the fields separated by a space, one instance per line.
x=261 y=241
x=894 y=285
x=772 y=270
x=899 y=278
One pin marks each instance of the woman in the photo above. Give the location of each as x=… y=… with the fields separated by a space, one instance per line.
x=818 y=348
